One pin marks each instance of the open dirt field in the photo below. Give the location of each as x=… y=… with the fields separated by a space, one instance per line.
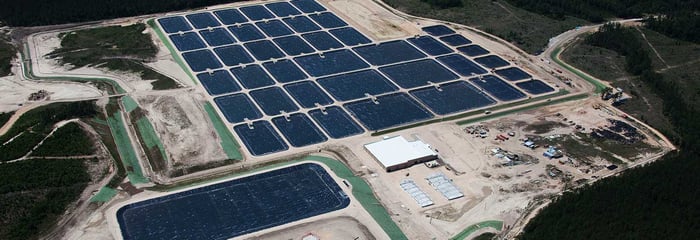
x=15 y=91
x=331 y=228
x=184 y=128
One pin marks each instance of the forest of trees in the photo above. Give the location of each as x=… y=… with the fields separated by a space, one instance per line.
x=444 y=3
x=684 y=25
x=600 y=10
x=42 y=12
x=658 y=201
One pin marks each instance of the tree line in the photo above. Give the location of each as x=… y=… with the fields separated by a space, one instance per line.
x=41 y=12
x=658 y=201
x=601 y=10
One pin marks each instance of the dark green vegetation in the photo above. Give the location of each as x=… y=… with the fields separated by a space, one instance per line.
x=68 y=140
x=658 y=201
x=600 y=10
x=7 y=53
x=529 y=31
x=40 y=12
x=485 y=236
x=4 y=117
x=36 y=124
x=674 y=18
x=681 y=25
x=34 y=193
x=444 y=3
x=116 y=48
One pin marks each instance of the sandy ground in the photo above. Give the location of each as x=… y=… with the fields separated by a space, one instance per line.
x=15 y=90
x=330 y=228
x=376 y=22
x=183 y=127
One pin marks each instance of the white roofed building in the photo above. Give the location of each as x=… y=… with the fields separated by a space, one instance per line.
x=396 y=153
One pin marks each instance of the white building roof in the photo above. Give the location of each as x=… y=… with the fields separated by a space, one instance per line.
x=397 y=150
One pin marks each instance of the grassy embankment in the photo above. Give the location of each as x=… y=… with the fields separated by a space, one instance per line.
x=116 y=48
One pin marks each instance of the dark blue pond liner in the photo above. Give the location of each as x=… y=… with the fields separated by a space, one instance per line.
x=201 y=60
x=498 y=88
x=473 y=50
x=174 y=24
x=322 y=40
x=230 y=16
x=252 y=76
x=282 y=9
x=236 y=207
x=308 y=6
x=328 y=20
x=246 y=32
x=218 y=82
x=492 y=61
x=354 y=85
x=535 y=87
x=262 y=139
x=330 y=62
x=263 y=50
x=187 y=41
x=274 y=28
x=284 y=71
x=418 y=73
x=301 y=24
x=455 y=97
x=203 y=20
x=233 y=55
x=430 y=46
x=513 y=74
x=461 y=65
x=293 y=45
x=438 y=30
x=237 y=107
x=272 y=100
x=350 y=36
x=256 y=12
x=388 y=52
x=455 y=40
x=299 y=130
x=308 y=94
x=393 y=110
x=217 y=37
x=336 y=123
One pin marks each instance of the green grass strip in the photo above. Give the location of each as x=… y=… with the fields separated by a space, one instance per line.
x=360 y=190
x=126 y=151
x=104 y=195
x=149 y=136
x=498 y=225
x=129 y=103
x=469 y=114
x=525 y=108
x=228 y=143
x=170 y=47
x=28 y=73
x=599 y=86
